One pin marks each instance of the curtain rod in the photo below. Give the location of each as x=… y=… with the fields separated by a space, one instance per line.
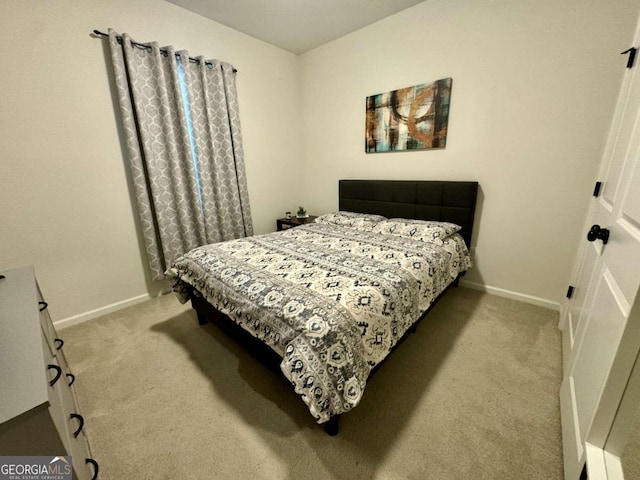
x=143 y=45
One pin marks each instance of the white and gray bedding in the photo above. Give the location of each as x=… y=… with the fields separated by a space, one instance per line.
x=331 y=298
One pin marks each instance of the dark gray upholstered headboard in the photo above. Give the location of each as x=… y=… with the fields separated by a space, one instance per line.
x=444 y=201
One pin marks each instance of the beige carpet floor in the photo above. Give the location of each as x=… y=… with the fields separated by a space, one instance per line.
x=631 y=455
x=472 y=395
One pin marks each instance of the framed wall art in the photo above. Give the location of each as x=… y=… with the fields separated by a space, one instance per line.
x=412 y=118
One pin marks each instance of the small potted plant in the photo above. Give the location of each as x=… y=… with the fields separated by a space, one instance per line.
x=302 y=213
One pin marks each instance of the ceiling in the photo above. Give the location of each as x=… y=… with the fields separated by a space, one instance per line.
x=296 y=25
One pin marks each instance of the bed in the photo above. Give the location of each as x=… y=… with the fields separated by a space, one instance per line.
x=333 y=298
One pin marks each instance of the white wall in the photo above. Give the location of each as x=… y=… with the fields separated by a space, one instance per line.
x=533 y=93
x=534 y=85
x=65 y=205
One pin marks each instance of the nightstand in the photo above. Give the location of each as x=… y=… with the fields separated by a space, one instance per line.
x=285 y=223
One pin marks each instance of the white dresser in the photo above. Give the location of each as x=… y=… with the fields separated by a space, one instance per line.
x=39 y=412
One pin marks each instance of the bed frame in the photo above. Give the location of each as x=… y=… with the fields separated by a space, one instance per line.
x=444 y=201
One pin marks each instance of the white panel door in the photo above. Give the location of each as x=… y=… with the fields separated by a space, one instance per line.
x=607 y=279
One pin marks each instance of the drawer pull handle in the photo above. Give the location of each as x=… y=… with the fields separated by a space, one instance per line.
x=43 y=306
x=58 y=340
x=72 y=378
x=80 y=421
x=58 y=373
x=95 y=467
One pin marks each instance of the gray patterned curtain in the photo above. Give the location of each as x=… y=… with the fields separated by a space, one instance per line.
x=182 y=129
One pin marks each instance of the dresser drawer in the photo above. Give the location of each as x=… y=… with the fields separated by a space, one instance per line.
x=48 y=330
x=73 y=434
x=80 y=452
x=56 y=379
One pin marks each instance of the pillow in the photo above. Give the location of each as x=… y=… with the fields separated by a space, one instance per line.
x=360 y=221
x=425 y=230
x=447 y=227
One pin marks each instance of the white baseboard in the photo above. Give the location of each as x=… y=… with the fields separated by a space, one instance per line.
x=83 y=317
x=501 y=292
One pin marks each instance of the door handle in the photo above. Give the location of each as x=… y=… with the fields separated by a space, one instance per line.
x=597 y=233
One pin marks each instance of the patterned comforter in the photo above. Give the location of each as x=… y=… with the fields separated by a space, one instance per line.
x=331 y=300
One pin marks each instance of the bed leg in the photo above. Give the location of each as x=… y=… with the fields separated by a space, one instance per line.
x=197 y=306
x=414 y=328
x=456 y=281
x=332 y=427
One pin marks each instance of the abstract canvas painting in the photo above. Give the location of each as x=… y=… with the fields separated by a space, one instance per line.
x=412 y=118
